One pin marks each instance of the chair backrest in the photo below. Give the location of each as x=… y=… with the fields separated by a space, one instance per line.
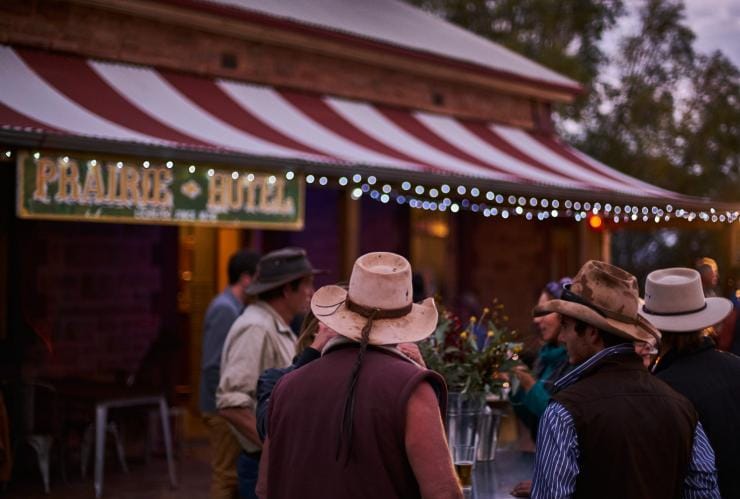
x=40 y=408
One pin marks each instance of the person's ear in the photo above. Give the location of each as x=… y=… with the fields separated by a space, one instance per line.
x=594 y=338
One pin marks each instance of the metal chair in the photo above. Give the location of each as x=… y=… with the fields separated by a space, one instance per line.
x=41 y=425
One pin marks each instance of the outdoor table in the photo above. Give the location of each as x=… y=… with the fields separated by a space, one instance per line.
x=495 y=479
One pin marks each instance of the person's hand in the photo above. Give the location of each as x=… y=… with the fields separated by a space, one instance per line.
x=526 y=379
x=323 y=335
x=411 y=350
x=522 y=489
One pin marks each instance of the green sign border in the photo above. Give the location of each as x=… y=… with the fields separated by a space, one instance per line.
x=25 y=193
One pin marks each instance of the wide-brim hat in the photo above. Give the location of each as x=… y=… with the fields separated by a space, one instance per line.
x=675 y=302
x=607 y=298
x=379 y=289
x=280 y=267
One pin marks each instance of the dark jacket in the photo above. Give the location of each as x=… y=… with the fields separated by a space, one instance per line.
x=268 y=379
x=710 y=379
x=306 y=414
x=635 y=434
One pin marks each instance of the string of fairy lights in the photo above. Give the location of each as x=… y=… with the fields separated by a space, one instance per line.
x=446 y=197
x=488 y=203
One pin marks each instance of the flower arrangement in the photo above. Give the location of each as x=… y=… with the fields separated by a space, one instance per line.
x=470 y=356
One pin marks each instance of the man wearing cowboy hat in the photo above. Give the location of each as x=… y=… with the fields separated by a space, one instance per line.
x=364 y=420
x=690 y=364
x=260 y=339
x=612 y=430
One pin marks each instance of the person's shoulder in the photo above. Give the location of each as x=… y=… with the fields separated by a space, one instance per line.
x=223 y=303
x=253 y=319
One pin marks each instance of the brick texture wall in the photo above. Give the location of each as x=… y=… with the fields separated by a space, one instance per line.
x=320 y=236
x=384 y=227
x=504 y=260
x=101 y=292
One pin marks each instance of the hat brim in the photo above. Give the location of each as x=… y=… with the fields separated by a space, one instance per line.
x=643 y=331
x=256 y=287
x=329 y=306
x=716 y=310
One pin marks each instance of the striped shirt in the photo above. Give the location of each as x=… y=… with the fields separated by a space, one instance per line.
x=556 y=461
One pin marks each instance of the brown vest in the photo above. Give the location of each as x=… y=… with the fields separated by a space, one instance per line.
x=306 y=410
x=635 y=434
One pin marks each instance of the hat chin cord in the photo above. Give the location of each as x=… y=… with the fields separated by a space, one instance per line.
x=345 y=430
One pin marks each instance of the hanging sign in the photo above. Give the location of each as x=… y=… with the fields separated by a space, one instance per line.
x=69 y=186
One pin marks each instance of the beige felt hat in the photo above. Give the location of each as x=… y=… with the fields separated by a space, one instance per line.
x=605 y=297
x=380 y=291
x=675 y=302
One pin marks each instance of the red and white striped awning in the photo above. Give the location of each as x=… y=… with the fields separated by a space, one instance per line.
x=49 y=93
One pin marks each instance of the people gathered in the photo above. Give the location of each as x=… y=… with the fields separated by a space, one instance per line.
x=627 y=398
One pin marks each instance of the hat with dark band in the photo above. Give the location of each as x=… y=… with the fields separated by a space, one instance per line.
x=280 y=267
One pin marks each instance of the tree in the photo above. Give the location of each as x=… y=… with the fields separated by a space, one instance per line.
x=563 y=35
x=710 y=130
x=670 y=116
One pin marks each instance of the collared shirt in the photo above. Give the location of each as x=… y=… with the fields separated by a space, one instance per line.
x=221 y=314
x=259 y=339
x=556 y=461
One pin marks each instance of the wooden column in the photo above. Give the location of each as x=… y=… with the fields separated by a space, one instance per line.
x=228 y=242
x=349 y=228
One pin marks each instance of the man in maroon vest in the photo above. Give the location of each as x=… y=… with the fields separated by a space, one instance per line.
x=364 y=420
x=613 y=430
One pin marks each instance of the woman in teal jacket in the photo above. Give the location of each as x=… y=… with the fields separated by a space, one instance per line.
x=535 y=387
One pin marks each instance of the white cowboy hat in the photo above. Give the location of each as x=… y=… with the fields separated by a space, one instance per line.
x=379 y=289
x=675 y=302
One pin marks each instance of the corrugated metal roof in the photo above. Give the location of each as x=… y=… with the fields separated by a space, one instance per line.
x=402 y=25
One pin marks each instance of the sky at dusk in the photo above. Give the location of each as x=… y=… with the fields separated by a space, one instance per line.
x=717 y=26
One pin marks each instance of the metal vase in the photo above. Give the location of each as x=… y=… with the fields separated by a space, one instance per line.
x=464 y=416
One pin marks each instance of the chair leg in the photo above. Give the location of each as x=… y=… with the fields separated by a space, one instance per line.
x=86 y=447
x=113 y=430
x=42 y=445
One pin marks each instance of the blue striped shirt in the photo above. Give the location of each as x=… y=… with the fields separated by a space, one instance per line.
x=556 y=461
